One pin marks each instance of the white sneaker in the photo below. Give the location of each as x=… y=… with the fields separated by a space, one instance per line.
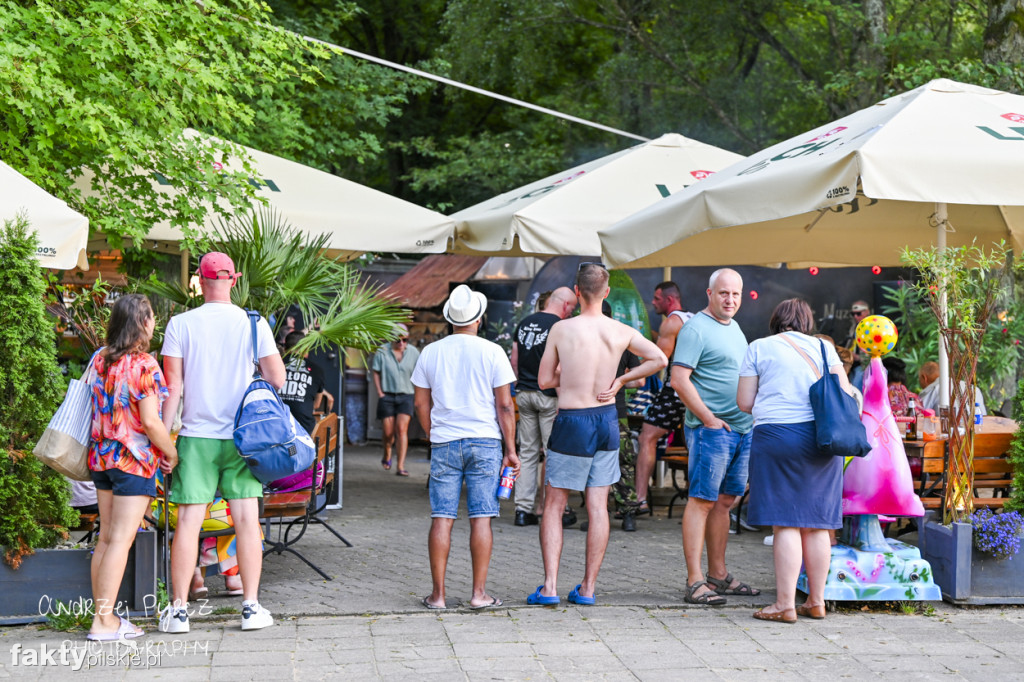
x=255 y=617
x=174 y=621
x=769 y=540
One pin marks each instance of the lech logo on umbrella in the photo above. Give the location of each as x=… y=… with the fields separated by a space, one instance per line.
x=1016 y=118
x=830 y=133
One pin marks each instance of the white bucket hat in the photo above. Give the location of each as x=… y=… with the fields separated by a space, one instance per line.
x=464 y=306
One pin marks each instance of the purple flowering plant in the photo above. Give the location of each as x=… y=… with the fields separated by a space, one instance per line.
x=997 y=534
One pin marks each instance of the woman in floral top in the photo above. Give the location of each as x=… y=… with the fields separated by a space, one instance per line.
x=128 y=442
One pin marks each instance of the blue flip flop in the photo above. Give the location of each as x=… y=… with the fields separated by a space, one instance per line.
x=576 y=598
x=538 y=599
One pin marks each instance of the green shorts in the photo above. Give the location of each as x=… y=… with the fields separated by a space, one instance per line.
x=206 y=465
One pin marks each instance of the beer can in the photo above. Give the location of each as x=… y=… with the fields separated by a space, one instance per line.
x=505 y=486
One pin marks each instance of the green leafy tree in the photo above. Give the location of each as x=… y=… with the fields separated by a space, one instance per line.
x=336 y=123
x=741 y=75
x=106 y=87
x=34 y=509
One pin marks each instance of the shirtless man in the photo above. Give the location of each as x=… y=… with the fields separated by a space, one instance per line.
x=666 y=412
x=581 y=359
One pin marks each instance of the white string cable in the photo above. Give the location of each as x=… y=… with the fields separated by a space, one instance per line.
x=479 y=91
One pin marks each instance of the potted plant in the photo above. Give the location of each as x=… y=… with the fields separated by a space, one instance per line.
x=962 y=286
x=976 y=561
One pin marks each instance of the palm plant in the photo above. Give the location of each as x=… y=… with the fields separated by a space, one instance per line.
x=282 y=267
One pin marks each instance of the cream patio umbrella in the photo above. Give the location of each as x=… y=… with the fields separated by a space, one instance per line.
x=355 y=217
x=940 y=164
x=560 y=214
x=853 y=192
x=63 y=232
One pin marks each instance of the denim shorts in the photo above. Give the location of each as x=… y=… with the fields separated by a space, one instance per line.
x=718 y=462
x=477 y=461
x=123 y=484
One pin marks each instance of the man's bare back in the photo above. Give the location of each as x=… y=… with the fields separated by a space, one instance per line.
x=582 y=356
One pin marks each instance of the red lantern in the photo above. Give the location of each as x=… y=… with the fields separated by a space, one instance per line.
x=813 y=270
x=876 y=269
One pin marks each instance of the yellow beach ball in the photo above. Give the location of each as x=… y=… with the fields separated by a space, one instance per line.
x=876 y=335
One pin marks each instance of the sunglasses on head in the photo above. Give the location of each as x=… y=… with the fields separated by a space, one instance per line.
x=596 y=263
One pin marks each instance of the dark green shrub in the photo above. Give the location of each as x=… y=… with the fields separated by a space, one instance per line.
x=1016 y=453
x=34 y=509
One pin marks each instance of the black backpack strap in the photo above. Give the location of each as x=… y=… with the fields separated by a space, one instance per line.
x=254 y=317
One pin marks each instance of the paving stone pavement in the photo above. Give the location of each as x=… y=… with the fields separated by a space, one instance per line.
x=367 y=623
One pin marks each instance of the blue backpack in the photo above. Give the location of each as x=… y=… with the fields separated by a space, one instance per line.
x=266 y=434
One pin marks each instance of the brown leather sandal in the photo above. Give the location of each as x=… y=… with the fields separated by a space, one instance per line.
x=815 y=612
x=787 y=616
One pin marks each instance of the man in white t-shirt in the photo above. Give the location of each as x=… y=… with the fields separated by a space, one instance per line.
x=207 y=355
x=463 y=400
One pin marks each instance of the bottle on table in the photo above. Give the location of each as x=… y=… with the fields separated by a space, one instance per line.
x=912 y=424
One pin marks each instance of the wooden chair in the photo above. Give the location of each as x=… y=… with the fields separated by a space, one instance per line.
x=676 y=459
x=301 y=505
x=88 y=524
x=931 y=483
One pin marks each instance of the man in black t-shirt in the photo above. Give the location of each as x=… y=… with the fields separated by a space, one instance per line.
x=537 y=408
x=303 y=386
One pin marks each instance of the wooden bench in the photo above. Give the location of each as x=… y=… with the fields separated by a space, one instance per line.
x=992 y=471
x=300 y=506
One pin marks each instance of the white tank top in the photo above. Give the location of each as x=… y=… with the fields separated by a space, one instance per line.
x=684 y=316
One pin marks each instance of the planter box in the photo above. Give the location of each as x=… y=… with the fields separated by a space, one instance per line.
x=52 y=575
x=965 y=575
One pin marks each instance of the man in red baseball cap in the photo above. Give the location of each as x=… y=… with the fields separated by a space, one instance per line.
x=217 y=265
x=207 y=356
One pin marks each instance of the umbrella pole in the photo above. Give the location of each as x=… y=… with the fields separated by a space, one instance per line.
x=958 y=465
x=941 y=218
x=184 y=269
